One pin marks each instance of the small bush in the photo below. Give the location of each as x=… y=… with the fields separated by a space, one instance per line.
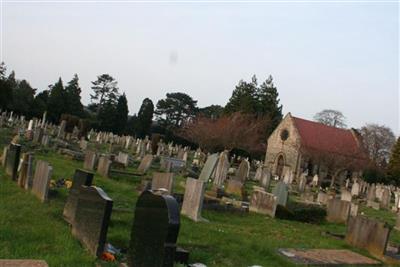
x=301 y=212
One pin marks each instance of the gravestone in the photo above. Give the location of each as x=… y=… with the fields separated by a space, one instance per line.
x=243 y=171
x=368 y=234
x=80 y=178
x=236 y=188
x=61 y=129
x=221 y=171
x=155 y=231
x=29 y=173
x=322 y=198
x=263 y=202
x=209 y=167
x=12 y=160
x=92 y=216
x=193 y=199
x=345 y=195
x=103 y=167
x=281 y=193
x=265 y=180
x=258 y=175
x=41 y=180
x=302 y=182
x=371 y=195
x=25 y=169
x=355 y=189
x=353 y=209
x=163 y=180
x=145 y=163
x=90 y=160
x=123 y=158
x=385 y=202
x=4 y=156
x=338 y=211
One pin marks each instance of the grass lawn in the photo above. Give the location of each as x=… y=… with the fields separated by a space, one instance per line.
x=31 y=229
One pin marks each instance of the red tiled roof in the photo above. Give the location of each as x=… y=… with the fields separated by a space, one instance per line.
x=319 y=137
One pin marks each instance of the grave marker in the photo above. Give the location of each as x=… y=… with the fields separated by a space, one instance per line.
x=193 y=199
x=41 y=180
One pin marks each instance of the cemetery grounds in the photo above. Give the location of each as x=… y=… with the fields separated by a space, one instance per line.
x=30 y=229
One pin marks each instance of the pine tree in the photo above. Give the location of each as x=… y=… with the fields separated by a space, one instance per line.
x=6 y=88
x=23 y=96
x=268 y=102
x=73 y=97
x=244 y=98
x=57 y=104
x=121 y=114
x=394 y=162
x=105 y=91
x=144 y=118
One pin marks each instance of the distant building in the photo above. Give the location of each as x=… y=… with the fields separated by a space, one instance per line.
x=299 y=146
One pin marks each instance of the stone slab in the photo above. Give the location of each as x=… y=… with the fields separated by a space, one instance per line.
x=327 y=257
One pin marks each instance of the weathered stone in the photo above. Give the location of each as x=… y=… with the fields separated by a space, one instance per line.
x=221 y=171
x=163 y=180
x=41 y=180
x=154 y=232
x=386 y=196
x=103 y=167
x=265 y=180
x=90 y=160
x=281 y=193
x=373 y=204
x=327 y=257
x=80 y=178
x=24 y=168
x=92 y=216
x=322 y=198
x=338 y=211
x=12 y=160
x=193 y=199
x=235 y=187
x=209 y=167
x=4 y=156
x=368 y=234
x=243 y=171
x=353 y=209
x=355 y=189
x=263 y=202
x=346 y=195
x=302 y=182
x=145 y=163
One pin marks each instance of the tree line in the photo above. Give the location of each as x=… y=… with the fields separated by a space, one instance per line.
x=108 y=109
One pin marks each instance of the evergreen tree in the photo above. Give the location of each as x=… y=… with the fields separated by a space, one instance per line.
x=39 y=105
x=57 y=104
x=121 y=114
x=268 y=102
x=6 y=95
x=244 y=98
x=23 y=96
x=73 y=97
x=175 y=109
x=105 y=91
x=212 y=112
x=132 y=125
x=144 y=118
x=107 y=116
x=394 y=163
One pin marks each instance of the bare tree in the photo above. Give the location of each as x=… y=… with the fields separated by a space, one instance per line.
x=378 y=141
x=331 y=117
x=243 y=131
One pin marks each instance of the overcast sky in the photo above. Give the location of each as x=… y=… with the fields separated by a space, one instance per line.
x=322 y=55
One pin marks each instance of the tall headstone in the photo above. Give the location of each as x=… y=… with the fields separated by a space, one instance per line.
x=155 y=231
x=41 y=180
x=80 y=178
x=302 y=182
x=163 y=180
x=345 y=195
x=23 y=169
x=221 y=171
x=61 y=129
x=29 y=172
x=12 y=160
x=338 y=211
x=386 y=197
x=243 y=171
x=265 y=180
x=92 y=216
x=193 y=199
x=90 y=160
x=355 y=189
x=145 y=164
x=208 y=167
x=4 y=156
x=281 y=193
x=103 y=167
x=368 y=234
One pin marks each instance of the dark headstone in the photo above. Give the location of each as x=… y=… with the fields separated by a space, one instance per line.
x=154 y=232
x=12 y=160
x=80 y=178
x=92 y=216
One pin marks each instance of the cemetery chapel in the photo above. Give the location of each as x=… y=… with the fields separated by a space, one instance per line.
x=301 y=146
